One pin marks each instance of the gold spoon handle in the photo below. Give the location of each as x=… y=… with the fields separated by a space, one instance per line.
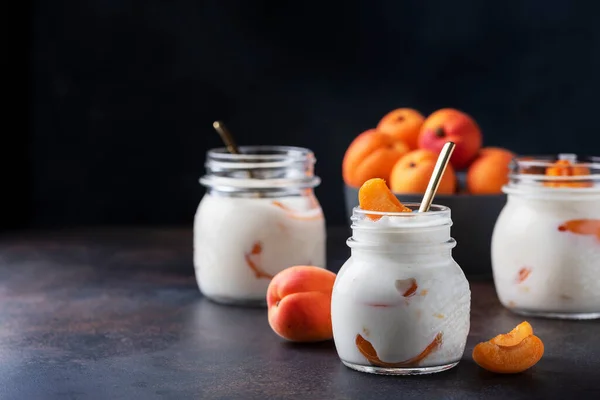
x=436 y=177
x=226 y=136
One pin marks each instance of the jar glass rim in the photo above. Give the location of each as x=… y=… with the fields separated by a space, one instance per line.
x=530 y=173
x=262 y=153
x=434 y=210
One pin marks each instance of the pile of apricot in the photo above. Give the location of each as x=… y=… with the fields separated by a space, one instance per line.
x=404 y=147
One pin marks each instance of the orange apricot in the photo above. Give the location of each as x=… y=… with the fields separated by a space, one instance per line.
x=514 y=337
x=299 y=303
x=371 y=154
x=402 y=124
x=488 y=173
x=411 y=174
x=374 y=195
x=511 y=359
x=510 y=353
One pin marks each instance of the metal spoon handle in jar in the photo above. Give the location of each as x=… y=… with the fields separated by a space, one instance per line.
x=436 y=177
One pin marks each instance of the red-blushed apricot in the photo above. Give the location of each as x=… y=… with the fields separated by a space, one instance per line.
x=450 y=125
x=299 y=303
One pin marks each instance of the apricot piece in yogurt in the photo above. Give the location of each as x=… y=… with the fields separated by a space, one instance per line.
x=510 y=353
x=252 y=260
x=368 y=351
x=407 y=287
x=523 y=274
x=566 y=169
x=299 y=303
x=316 y=215
x=374 y=195
x=581 y=227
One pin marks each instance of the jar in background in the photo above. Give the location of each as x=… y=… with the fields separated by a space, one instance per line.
x=401 y=304
x=546 y=241
x=259 y=216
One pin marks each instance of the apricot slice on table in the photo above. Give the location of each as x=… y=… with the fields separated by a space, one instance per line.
x=374 y=195
x=565 y=168
x=510 y=353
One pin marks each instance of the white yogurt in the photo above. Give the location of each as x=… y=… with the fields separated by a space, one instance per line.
x=543 y=264
x=226 y=230
x=258 y=217
x=402 y=292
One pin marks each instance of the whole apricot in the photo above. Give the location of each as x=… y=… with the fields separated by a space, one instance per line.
x=412 y=172
x=299 y=303
x=488 y=173
x=371 y=154
x=402 y=124
x=450 y=125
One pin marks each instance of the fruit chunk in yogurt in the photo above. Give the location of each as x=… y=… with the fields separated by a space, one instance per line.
x=400 y=304
x=241 y=243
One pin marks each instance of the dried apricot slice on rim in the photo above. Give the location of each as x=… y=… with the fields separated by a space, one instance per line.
x=374 y=195
x=565 y=168
x=510 y=353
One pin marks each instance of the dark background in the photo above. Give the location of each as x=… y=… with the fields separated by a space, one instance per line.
x=121 y=94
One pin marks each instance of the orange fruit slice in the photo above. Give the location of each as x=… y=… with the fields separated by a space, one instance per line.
x=510 y=353
x=374 y=195
x=368 y=351
x=514 y=337
x=565 y=168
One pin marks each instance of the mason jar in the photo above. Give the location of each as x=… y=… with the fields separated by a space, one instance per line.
x=401 y=304
x=546 y=241
x=259 y=215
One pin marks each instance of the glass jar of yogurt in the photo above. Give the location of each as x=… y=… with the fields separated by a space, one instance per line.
x=546 y=242
x=401 y=304
x=259 y=216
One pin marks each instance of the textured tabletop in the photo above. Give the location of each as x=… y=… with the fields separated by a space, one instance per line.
x=116 y=314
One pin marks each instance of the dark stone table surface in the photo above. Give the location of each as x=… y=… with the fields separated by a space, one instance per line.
x=116 y=314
